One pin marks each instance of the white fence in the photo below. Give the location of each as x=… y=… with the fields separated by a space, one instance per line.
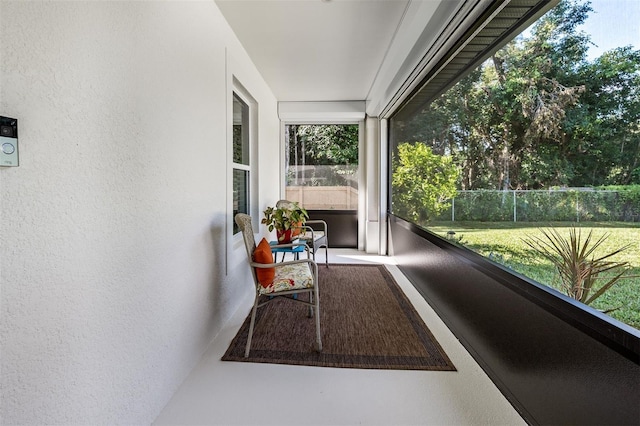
x=324 y=197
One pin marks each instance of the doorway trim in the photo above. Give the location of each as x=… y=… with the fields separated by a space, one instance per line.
x=347 y=112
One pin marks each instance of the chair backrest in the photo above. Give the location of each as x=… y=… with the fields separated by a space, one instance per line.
x=244 y=223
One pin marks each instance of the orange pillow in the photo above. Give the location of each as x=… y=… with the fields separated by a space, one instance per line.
x=262 y=254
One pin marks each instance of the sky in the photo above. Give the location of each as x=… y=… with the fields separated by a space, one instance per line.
x=613 y=23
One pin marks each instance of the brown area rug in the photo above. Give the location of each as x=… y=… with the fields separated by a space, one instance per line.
x=366 y=322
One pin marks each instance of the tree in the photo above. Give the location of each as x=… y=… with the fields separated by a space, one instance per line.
x=422 y=182
x=538 y=113
x=322 y=154
x=606 y=130
x=324 y=144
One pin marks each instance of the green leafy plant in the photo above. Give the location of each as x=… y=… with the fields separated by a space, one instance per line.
x=577 y=264
x=423 y=182
x=284 y=219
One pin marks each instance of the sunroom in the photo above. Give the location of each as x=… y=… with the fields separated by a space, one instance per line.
x=124 y=279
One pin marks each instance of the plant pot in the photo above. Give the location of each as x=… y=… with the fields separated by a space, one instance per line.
x=284 y=236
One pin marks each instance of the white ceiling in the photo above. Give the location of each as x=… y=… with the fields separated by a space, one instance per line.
x=316 y=50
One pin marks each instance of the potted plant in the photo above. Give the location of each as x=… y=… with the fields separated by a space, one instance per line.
x=285 y=220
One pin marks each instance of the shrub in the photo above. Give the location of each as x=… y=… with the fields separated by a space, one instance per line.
x=423 y=182
x=576 y=262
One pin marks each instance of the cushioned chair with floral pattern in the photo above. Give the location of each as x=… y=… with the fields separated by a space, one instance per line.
x=314 y=233
x=278 y=279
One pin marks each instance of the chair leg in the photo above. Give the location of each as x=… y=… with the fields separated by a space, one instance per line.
x=317 y=309
x=253 y=321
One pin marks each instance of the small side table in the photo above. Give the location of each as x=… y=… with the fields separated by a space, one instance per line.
x=296 y=250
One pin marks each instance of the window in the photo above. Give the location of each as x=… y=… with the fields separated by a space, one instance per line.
x=322 y=165
x=241 y=158
x=488 y=154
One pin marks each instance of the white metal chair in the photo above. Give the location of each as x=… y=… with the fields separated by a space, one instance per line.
x=314 y=234
x=290 y=278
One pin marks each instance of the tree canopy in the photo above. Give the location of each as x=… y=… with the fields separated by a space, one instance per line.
x=539 y=113
x=322 y=144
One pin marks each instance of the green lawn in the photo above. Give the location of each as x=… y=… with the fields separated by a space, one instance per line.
x=503 y=242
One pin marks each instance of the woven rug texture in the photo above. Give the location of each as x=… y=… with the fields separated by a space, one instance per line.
x=366 y=321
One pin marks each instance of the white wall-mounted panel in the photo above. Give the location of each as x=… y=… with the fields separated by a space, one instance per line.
x=321 y=112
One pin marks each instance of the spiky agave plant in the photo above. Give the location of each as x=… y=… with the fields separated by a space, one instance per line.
x=577 y=264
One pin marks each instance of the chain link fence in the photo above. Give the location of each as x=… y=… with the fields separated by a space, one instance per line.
x=571 y=205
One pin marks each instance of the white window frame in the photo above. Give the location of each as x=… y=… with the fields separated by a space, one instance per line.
x=362 y=164
x=235 y=243
x=246 y=121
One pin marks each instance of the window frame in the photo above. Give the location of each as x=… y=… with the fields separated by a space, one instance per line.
x=616 y=335
x=235 y=250
x=331 y=118
x=359 y=173
x=246 y=124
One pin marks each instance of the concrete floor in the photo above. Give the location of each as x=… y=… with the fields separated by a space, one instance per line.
x=232 y=393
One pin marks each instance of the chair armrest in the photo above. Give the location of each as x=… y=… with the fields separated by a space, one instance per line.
x=289 y=245
x=263 y=265
x=304 y=229
x=322 y=234
x=318 y=222
x=311 y=262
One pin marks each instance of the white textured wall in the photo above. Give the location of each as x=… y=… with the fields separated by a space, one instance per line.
x=113 y=227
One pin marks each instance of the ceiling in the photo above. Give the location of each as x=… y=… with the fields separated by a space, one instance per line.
x=316 y=50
